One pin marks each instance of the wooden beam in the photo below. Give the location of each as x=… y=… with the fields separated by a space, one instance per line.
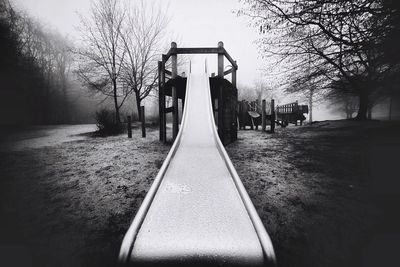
x=167 y=72
x=169 y=109
x=143 y=119
x=228 y=72
x=273 y=116
x=165 y=58
x=221 y=132
x=164 y=116
x=263 y=115
x=175 y=115
x=129 y=127
x=233 y=62
x=234 y=76
x=220 y=62
x=160 y=98
x=194 y=50
x=200 y=50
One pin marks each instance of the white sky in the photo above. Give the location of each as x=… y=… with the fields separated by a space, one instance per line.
x=196 y=23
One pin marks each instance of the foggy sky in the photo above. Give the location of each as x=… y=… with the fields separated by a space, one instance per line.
x=195 y=23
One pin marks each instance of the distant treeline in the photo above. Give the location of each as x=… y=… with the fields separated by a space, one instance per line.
x=34 y=69
x=45 y=79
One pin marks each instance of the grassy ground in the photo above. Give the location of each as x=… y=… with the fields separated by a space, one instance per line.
x=70 y=203
x=326 y=193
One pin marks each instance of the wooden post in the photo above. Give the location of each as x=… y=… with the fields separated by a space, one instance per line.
x=263 y=115
x=220 y=94
x=234 y=76
x=273 y=115
x=143 y=120
x=129 y=127
x=221 y=61
x=241 y=119
x=221 y=113
x=175 y=118
x=164 y=115
x=160 y=99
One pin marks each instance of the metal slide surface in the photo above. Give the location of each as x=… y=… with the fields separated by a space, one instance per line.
x=197 y=211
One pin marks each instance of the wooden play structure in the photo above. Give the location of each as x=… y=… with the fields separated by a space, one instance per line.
x=249 y=114
x=291 y=113
x=197 y=211
x=256 y=113
x=223 y=92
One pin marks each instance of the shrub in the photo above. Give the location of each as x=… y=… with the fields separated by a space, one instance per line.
x=106 y=123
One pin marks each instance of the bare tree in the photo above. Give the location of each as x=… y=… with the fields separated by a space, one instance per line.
x=143 y=36
x=62 y=57
x=342 y=37
x=345 y=104
x=103 y=53
x=246 y=92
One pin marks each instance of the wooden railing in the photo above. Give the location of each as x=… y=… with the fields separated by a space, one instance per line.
x=288 y=108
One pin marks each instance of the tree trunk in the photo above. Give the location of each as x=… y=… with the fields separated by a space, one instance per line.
x=369 y=113
x=138 y=103
x=347 y=109
x=310 y=102
x=390 y=108
x=117 y=118
x=65 y=118
x=363 y=106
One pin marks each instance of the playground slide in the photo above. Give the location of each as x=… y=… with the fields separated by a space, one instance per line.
x=197 y=211
x=254 y=114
